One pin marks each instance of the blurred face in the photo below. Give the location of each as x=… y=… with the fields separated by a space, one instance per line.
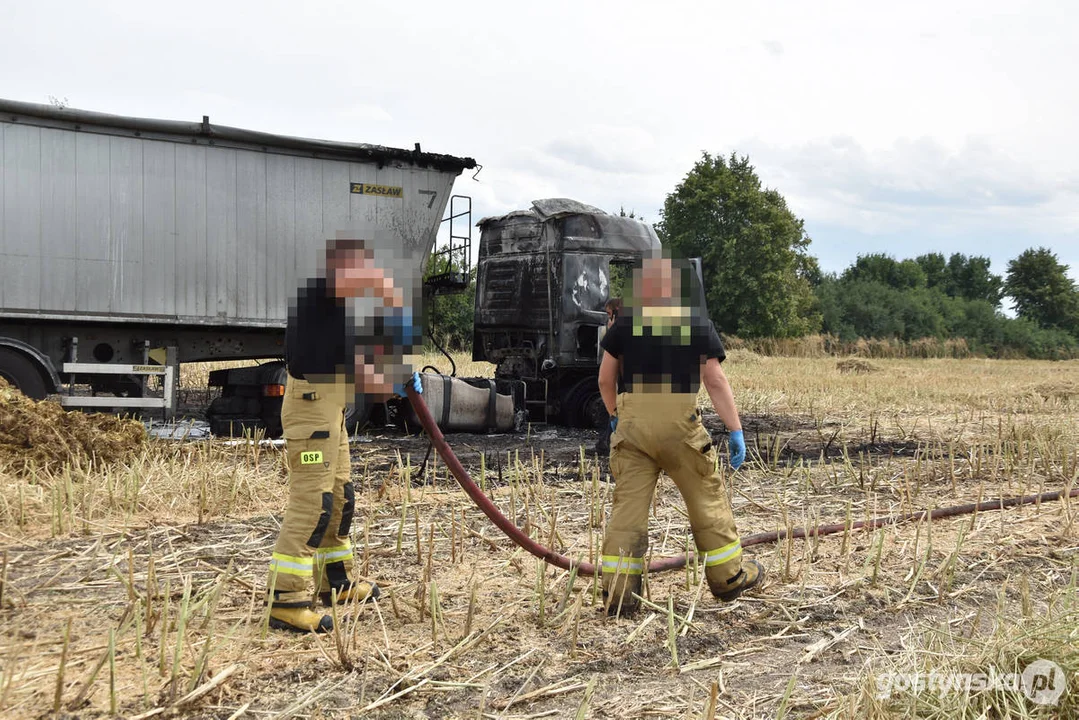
x=656 y=281
x=353 y=273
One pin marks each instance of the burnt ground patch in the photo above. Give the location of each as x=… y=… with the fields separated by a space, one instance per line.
x=779 y=440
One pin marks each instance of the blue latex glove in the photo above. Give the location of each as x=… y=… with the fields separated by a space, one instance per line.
x=399 y=388
x=737 y=445
x=399 y=323
x=613 y=423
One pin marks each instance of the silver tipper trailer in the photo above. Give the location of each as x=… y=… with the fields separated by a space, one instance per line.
x=128 y=246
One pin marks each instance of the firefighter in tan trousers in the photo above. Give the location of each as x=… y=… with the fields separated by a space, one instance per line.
x=326 y=369
x=663 y=350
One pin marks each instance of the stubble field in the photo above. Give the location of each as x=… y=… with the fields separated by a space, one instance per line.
x=136 y=588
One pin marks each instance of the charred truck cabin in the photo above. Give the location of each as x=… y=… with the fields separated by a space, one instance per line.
x=542 y=279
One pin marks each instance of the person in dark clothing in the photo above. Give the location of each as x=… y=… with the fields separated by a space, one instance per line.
x=663 y=348
x=328 y=366
x=612 y=307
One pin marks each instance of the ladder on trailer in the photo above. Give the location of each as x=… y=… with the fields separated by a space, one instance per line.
x=451 y=263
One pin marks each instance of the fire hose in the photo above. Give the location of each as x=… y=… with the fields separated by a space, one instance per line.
x=551 y=557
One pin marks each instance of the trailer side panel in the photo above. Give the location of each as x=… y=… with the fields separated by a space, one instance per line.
x=105 y=227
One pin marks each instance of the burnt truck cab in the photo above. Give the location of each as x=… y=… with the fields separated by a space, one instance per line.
x=542 y=278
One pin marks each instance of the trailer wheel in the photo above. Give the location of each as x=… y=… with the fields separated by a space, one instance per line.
x=23 y=373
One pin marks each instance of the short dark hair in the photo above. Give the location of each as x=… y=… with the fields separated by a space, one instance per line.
x=613 y=306
x=340 y=247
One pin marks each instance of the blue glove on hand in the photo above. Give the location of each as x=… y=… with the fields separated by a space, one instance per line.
x=613 y=423
x=737 y=445
x=399 y=323
x=399 y=389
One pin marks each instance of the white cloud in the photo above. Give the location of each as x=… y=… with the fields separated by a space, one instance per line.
x=912 y=183
x=946 y=121
x=774 y=47
x=365 y=113
x=607 y=149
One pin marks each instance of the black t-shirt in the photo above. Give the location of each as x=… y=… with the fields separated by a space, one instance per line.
x=669 y=359
x=320 y=335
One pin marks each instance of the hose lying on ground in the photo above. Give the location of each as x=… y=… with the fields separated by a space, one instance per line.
x=672 y=563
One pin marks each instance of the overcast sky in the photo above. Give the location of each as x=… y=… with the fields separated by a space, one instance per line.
x=901 y=127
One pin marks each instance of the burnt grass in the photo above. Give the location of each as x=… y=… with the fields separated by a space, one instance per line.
x=783 y=440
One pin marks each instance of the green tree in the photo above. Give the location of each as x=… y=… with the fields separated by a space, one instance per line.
x=962 y=276
x=898 y=274
x=854 y=308
x=752 y=248
x=1041 y=290
x=935 y=268
x=969 y=278
x=958 y=301
x=449 y=316
x=809 y=269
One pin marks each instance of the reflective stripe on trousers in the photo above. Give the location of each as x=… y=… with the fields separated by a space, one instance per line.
x=721 y=555
x=624 y=565
x=291 y=565
x=334 y=554
x=662 y=432
x=314 y=540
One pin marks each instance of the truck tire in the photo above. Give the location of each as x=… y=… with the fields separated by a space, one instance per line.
x=271 y=417
x=272 y=373
x=583 y=406
x=23 y=373
x=593 y=411
x=359 y=415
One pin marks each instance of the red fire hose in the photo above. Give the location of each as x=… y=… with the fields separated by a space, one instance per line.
x=671 y=563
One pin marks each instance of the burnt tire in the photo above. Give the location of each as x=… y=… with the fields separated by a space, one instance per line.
x=361 y=414
x=23 y=373
x=583 y=406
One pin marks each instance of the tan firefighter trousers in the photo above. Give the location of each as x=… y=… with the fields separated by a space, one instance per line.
x=314 y=540
x=662 y=431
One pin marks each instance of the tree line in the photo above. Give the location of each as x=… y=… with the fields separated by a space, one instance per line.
x=761 y=281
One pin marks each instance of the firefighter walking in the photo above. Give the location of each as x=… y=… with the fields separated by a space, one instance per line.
x=663 y=351
x=326 y=369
